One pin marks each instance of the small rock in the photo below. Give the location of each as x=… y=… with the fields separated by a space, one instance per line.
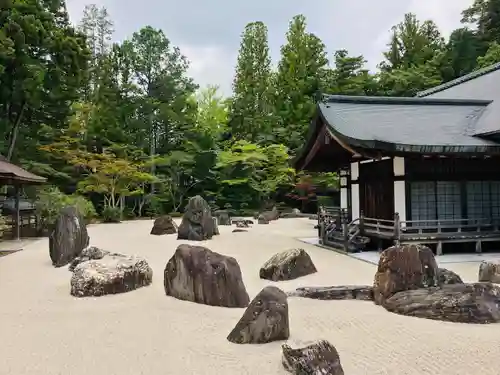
x=288 y=265
x=262 y=220
x=402 y=268
x=265 y=319
x=197 y=274
x=164 y=225
x=116 y=273
x=461 y=303
x=489 y=271
x=242 y=224
x=446 y=277
x=223 y=217
x=342 y=292
x=320 y=358
x=239 y=230
x=68 y=238
x=89 y=253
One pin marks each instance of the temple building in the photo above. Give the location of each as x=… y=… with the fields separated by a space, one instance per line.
x=424 y=169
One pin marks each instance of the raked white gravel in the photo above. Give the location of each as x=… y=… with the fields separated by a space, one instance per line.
x=45 y=331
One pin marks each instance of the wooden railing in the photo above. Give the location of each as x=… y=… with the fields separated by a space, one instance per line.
x=414 y=231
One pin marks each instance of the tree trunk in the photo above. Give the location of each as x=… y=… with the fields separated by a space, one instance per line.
x=15 y=132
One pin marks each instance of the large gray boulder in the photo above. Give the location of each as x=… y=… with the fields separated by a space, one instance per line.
x=288 y=265
x=265 y=319
x=320 y=358
x=114 y=273
x=197 y=274
x=68 y=238
x=197 y=222
x=404 y=267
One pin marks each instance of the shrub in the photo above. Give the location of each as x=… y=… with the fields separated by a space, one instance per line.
x=111 y=215
x=50 y=200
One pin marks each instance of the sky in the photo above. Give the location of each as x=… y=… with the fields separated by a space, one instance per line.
x=208 y=31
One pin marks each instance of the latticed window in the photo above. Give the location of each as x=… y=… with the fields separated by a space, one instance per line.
x=448 y=200
x=423 y=201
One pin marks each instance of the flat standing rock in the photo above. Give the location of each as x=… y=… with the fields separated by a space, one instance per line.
x=288 y=265
x=112 y=274
x=462 y=303
x=265 y=319
x=68 y=238
x=341 y=292
x=197 y=274
x=320 y=358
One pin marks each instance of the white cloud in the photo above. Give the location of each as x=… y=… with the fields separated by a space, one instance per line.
x=210 y=65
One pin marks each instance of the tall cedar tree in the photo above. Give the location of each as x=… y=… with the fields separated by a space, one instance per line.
x=301 y=72
x=251 y=107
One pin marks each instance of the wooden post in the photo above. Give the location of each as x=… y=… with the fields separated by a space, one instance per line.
x=439 y=248
x=397 y=229
x=321 y=233
x=18 y=213
x=479 y=248
x=361 y=225
x=345 y=229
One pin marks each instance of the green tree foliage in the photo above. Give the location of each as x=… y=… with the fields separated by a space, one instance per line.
x=124 y=124
x=42 y=65
x=491 y=57
x=250 y=113
x=349 y=76
x=301 y=72
x=485 y=15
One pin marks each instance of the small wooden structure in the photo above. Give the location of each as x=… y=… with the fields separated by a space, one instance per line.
x=12 y=175
x=412 y=170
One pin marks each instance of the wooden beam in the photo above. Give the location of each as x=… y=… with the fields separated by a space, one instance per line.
x=320 y=141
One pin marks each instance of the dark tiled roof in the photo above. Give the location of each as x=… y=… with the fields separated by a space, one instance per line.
x=482 y=84
x=407 y=124
x=460 y=80
x=12 y=172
